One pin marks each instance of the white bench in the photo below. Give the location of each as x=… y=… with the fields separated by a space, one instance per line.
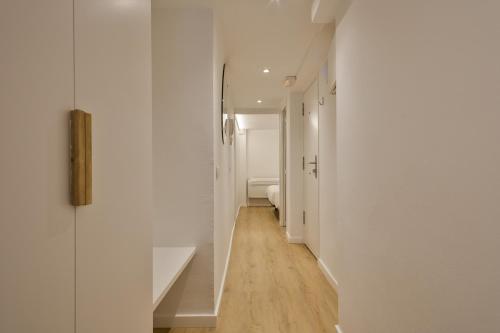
x=168 y=264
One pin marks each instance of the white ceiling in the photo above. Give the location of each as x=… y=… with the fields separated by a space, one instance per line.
x=183 y=3
x=258 y=34
x=257 y=121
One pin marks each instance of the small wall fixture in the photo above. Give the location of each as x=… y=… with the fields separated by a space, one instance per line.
x=229 y=129
x=333 y=90
x=289 y=81
x=81 y=158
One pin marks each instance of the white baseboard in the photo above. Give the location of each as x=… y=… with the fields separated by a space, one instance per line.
x=228 y=257
x=329 y=276
x=238 y=212
x=339 y=330
x=224 y=275
x=294 y=240
x=185 y=320
x=198 y=320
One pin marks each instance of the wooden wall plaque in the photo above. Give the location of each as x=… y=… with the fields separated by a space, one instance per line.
x=81 y=158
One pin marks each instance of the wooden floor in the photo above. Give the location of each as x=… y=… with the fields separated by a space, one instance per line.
x=272 y=286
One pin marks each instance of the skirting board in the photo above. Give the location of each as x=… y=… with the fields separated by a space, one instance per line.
x=294 y=240
x=199 y=320
x=338 y=329
x=221 y=291
x=329 y=276
x=185 y=320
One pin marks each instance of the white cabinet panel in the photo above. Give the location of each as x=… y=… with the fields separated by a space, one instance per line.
x=37 y=229
x=37 y=232
x=114 y=234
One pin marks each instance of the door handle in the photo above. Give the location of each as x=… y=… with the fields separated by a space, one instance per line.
x=315 y=163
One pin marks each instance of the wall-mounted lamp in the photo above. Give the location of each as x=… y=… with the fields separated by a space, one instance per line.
x=229 y=129
x=333 y=90
x=289 y=81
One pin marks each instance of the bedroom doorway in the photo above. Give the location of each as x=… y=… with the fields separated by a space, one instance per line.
x=259 y=159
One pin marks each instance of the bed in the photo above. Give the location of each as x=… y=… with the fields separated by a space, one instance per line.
x=273 y=195
x=257 y=187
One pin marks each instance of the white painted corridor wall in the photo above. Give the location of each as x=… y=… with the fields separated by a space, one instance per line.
x=294 y=183
x=225 y=179
x=419 y=159
x=241 y=167
x=263 y=153
x=194 y=203
x=183 y=167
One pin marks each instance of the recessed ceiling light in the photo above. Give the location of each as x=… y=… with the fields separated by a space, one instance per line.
x=266 y=70
x=259 y=101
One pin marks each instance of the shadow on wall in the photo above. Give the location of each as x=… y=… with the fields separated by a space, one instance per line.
x=169 y=309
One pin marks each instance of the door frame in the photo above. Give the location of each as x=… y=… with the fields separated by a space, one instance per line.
x=283 y=172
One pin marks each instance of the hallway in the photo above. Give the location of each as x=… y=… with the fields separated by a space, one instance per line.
x=272 y=286
x=133 y=131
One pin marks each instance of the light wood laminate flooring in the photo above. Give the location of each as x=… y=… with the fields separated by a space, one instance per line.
x=272 y=286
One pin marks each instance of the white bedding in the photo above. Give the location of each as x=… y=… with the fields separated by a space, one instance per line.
x=273 y=194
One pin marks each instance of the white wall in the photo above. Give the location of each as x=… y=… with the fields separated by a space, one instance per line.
x=224 y=189
x=263 y=153
x=294 y=183
x=419 y=160
x=332 y=64
x=193 y=171
x=241 y=167
x=340 y=10
x=183 y=165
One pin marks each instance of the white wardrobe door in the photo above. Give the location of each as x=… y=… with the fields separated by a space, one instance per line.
x=36 y=220
x=114 y=234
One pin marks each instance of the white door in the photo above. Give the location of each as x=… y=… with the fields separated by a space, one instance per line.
x=114 y=234
x=311 y=208
x=37 y=223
